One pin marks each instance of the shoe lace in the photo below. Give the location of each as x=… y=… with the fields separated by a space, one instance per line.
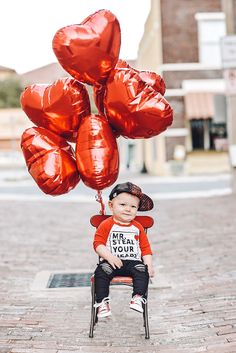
x=139 y=299
x=103 y=303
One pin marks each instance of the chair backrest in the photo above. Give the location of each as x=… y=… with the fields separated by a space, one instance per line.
x=145 y=221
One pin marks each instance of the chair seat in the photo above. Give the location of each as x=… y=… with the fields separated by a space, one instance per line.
x=122 y=280
x=119 y=280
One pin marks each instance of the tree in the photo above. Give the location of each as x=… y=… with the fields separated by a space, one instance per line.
x=10 y=91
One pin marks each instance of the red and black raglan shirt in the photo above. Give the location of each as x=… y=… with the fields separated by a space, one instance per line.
x=128 y=242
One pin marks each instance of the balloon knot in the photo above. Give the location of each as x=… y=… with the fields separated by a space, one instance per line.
x=99 y=199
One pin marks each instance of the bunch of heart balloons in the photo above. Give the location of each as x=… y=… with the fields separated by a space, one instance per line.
x=130 y=103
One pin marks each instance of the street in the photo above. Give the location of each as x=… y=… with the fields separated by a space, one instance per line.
x=191 y=303
x=15 y=184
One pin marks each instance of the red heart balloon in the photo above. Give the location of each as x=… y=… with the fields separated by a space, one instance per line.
x=97 y=153
x=133 y=108
x=90 y=50
x=50 y=161
x=151 y=78
x=154 y=80
x=58 y=107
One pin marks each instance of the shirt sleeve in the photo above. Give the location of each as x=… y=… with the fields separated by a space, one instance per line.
x=101 y=234
x=144 y=243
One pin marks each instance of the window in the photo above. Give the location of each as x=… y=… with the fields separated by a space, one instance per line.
x=211 y=28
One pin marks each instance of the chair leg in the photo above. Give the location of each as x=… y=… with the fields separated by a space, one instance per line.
x=94 y=318
x=146 y=325
x=93 y=311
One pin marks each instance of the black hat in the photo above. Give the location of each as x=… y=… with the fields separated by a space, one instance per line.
x=146 y=202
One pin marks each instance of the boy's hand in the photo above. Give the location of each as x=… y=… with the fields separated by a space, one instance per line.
x=147 y=259
x=114 y=261
x=151 y=271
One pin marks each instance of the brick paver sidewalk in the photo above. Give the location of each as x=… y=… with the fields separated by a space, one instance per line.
x=191 y=307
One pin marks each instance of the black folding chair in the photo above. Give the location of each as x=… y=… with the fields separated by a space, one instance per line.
x=146 y=222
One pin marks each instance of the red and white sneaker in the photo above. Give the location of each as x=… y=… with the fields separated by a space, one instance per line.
x=137 y=302
x=104 y=309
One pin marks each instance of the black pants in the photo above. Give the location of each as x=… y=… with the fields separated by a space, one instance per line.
x=133 y=268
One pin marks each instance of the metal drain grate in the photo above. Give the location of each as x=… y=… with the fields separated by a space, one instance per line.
x=68 y=280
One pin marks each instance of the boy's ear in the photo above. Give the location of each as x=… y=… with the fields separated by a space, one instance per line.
x=110 y=205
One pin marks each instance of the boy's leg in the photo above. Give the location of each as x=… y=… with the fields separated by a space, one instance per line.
x=139 y=272
x=103 y=276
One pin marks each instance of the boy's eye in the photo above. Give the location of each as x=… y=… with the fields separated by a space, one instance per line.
x=124 y=204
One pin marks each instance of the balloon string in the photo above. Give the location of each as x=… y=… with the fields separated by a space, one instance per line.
x=99 y=199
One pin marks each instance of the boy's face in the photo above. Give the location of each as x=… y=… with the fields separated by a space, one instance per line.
x=124 y=207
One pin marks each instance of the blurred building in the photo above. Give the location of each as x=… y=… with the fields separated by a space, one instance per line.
x=13 y=122
x=6 y=72
x=181 y=42
x=10 y=119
